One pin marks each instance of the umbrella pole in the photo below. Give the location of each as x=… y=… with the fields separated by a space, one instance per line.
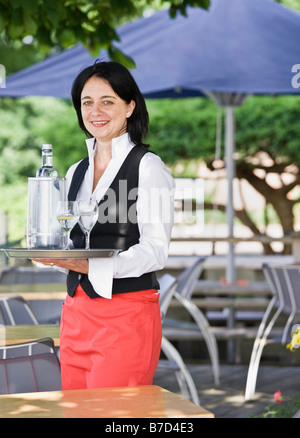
x=230 y=166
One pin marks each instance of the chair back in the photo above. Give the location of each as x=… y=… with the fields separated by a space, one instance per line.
x=16 y=311
x=285 y=284
x=47 y=311
x=272 y=280
x=292 y=275
x=2 y=319
x=24 y=275
x=188 y=278
x=29 y=367
x=167 y=289
x=30 y=348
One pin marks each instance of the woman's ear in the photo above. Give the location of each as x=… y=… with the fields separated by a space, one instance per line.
x=130 y=108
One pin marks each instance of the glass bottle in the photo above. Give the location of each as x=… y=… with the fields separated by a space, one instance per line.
x=47 y=169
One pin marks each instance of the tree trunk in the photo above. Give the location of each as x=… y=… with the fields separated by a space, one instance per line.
x=243 y=216
x=275 y=197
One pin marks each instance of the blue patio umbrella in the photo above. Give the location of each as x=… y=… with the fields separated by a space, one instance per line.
x=237 y=46
x=235 y=49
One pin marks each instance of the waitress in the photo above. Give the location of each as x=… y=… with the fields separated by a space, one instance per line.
x=111 y=324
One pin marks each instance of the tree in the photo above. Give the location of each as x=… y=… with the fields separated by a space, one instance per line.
x=64 y=23
x=268 y=144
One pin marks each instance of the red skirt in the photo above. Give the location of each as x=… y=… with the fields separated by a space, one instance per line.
x=110 y=343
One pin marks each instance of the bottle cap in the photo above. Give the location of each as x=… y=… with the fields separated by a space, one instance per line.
x=47 y=146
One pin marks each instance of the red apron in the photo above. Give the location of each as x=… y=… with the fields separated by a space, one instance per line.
x=110 y=342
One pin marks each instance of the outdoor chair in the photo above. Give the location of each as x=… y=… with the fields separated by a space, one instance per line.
x=24 y=275
x=284 y=282
x=167 y=285
x=186 y=283
x=47 y=311
x=2 y=319
x=174 y=362
x=16 y=311
x=29 y=367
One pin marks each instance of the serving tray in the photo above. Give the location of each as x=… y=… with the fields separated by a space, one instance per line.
x=29 y=253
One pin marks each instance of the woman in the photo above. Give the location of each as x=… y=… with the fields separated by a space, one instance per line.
x=110 y=326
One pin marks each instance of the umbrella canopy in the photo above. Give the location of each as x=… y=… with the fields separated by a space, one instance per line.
x=240 y=46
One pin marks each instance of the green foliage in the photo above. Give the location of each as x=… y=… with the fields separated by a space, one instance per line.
x=286 y=409
x=16 y=56
x=293 y=4
x=18 y=158
x=13 y=199
x=269 y=124
x=67 y=22
x=57 y=125
x=182 y=129
x=26 y=124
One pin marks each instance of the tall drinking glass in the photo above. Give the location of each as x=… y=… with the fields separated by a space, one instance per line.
x=88 y=212
x=67 y=214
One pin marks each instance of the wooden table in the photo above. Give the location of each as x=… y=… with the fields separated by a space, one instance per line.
x=14 y=334
x=128 y=402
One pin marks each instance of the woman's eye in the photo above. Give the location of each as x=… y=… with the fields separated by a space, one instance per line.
x=107 y=102
x=87 y=102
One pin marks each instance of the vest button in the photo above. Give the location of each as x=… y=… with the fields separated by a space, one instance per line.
x=79 y=277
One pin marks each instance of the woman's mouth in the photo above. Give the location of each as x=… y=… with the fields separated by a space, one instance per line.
x=98 y=124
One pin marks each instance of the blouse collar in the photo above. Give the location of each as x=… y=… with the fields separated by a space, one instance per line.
x=120 y=146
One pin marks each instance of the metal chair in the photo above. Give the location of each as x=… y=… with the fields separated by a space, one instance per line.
x=29 y=367
x=284 y=282
x=47 y=311
x=2 y=319
x=16 y=311
x=24 y=275
x=186 y=283
x=167 y=285
x=174 y=362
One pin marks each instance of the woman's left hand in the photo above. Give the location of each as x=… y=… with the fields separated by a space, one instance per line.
x=78 y=265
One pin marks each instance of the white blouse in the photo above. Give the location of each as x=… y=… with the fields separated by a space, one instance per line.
x=155 y=211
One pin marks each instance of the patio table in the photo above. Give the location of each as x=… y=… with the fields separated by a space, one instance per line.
x=149 y=401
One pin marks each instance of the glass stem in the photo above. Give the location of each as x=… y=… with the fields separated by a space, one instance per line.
x=68 y=238
x=87 y=240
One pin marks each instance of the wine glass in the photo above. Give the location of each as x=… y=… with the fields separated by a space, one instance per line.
x=67 y=214
x=88 y=212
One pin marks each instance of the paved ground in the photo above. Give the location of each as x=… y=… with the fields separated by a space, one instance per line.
x=227 y=400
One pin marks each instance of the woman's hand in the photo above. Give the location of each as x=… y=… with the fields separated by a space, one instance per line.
x=78 y=265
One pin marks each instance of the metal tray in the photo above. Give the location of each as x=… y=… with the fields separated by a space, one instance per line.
x=26 y=253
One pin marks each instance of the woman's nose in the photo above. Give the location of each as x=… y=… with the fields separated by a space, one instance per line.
x=96 y=110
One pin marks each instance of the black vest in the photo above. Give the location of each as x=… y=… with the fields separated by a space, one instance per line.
x=119 y=228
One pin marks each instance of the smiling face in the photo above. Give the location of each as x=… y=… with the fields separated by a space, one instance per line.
x=104 y=113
